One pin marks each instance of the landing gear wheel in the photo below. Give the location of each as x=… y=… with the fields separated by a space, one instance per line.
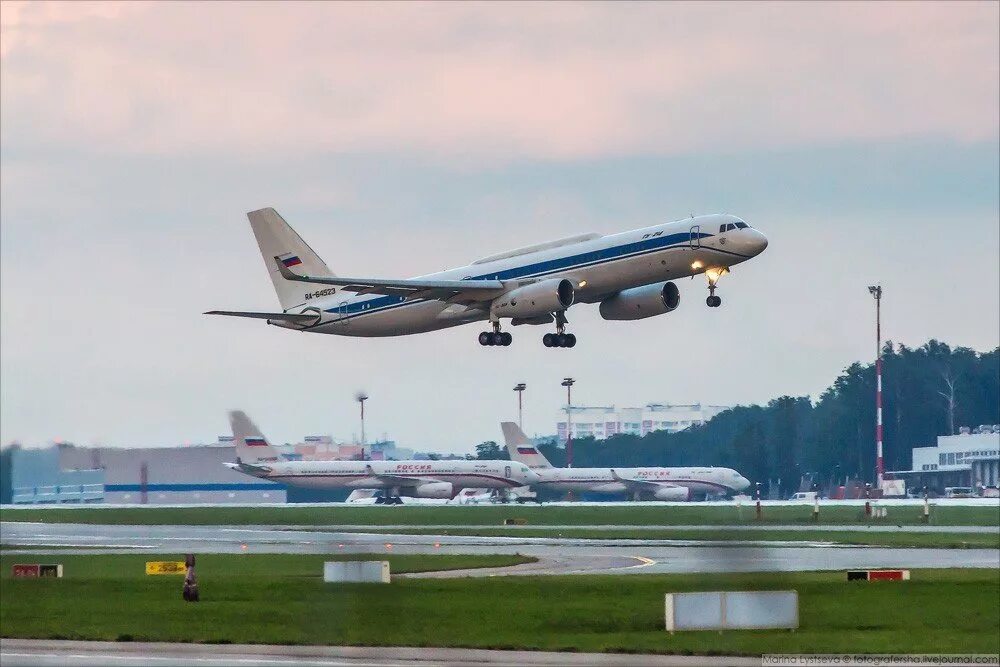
x=549 y=340
x=560 y=340
x=570 y=340
x=486 y=338
x=714 y=301
x=504 y=338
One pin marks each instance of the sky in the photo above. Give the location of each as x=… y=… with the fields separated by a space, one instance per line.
x=401 y=139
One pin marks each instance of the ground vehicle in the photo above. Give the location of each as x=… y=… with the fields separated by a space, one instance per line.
x=959 y=492
x=804 y=495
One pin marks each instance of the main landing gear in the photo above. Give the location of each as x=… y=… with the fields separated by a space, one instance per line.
x=389 y=497
x=495 y=337
x=560 y=338
x=713 y=276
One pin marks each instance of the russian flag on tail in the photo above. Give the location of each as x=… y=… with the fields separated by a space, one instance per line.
x=291 y=261
x=256 y=442
x=526 y=450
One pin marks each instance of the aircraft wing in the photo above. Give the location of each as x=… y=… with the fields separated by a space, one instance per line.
x=639 y=484
x=443 y=290
x=399 y=480
x=308 y=318
x=248 y=468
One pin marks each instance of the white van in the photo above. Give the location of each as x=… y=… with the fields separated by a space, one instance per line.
x=804 y=495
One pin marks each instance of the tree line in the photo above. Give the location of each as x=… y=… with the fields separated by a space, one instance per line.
x=927 y=391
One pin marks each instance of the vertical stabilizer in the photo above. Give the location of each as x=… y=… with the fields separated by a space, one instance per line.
x=276 y=238
x=521 y=449
x=251 y=445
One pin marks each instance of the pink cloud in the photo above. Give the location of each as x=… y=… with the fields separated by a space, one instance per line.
x=495 y=80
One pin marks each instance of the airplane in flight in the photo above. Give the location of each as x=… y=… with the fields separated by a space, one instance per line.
x=629 y=274
x=638 y=483
x=397 y=479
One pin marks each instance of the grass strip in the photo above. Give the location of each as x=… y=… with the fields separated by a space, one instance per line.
x=639 y=515
x=281 y=599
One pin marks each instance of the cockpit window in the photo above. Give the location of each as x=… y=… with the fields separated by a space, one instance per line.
x=742 y=225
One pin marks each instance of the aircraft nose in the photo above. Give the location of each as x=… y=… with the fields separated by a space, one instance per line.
x=758 y=242
x=743 y=482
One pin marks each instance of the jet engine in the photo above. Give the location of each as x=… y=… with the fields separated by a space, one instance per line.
x=430 y=490
x=535 y=300
x=641 y=302
x=671 y=492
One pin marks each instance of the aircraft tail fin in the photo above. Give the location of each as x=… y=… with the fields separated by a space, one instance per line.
x=521 y=449
x=276 y=238
x=251 y=445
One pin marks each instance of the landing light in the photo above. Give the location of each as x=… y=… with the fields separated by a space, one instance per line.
x=697 y=265
x=583 y=283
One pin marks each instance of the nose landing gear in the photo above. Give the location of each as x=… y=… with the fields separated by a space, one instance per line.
x=495 y=337
x=713 y=276
x=560 y=338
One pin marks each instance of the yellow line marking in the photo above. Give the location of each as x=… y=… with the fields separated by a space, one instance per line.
x=643 y=562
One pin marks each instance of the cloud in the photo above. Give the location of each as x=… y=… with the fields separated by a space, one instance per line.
x=492 y=80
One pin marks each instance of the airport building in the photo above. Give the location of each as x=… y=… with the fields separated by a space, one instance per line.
x=66 y=473
x=603 y=422
x=969 y=459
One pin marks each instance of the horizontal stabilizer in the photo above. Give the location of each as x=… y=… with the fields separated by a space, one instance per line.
x=286 y=317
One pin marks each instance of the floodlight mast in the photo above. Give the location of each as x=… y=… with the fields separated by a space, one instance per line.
x=568 y=383
x=876 y=292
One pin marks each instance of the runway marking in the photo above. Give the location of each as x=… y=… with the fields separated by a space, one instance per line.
x=643 y=562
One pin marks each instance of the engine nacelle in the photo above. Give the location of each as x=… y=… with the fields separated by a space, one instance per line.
x=672 y=493
x=430 y=490
x=641 y=302
x=535 y=300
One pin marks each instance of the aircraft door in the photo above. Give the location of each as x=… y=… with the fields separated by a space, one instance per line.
x=342 y=313
x=506 y=472
x=694 y=238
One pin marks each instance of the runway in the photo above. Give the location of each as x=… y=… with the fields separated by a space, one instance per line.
x=45 y=653
x=556 y=555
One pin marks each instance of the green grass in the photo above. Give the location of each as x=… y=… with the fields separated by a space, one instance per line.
x=282 y=599
x=643 y=515
x=132 y=566
x=859 y=537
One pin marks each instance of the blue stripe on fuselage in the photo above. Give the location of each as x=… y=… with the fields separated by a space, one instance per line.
x=592 y=258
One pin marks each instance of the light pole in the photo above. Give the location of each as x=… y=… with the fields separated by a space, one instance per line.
x=519 y=388
x=568 y=383
x=876 y=292
x=361 y=397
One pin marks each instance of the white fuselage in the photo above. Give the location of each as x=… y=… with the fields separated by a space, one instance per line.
x=381 y=474
x=598 y=268
x=601 y=480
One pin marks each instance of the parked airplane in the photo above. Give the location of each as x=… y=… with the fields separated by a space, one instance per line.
x=657 y=483
x=413 y=479
x=628 y=274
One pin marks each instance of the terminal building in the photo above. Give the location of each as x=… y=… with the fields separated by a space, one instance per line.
x=969 y=459
x=601 y=423
x=65 y=473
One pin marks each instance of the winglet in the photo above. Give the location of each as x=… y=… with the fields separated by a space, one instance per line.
x=615 y=476
x=369 y=470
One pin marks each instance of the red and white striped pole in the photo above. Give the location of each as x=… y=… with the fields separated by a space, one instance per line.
x=876 y=291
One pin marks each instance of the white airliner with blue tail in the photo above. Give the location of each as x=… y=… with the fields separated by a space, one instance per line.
x=674 y=483
x=629 y=274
